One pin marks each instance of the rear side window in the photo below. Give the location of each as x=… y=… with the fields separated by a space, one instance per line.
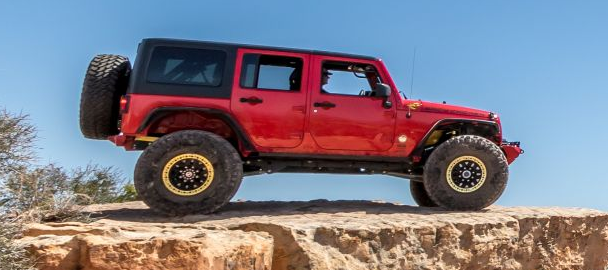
x=271 y=72
x=186 y=66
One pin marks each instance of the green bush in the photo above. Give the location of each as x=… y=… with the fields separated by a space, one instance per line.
x=128 y=194
x=98 y=184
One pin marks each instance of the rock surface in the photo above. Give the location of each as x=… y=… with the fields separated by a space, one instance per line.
x=325 y=235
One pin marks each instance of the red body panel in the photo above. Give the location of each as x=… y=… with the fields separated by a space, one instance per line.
x=355 y=123
x=140 y=106
x=277 y=122
x=286 y=121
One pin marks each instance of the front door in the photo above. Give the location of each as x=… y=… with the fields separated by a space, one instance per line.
x=345 y=113
x=269 y=96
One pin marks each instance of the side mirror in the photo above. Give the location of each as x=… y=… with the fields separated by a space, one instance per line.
x=382 y=90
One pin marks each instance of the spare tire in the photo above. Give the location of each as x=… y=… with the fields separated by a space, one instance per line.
x=105 y=82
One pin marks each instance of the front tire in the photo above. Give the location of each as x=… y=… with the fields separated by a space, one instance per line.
x=466 y=173
x=188 y=172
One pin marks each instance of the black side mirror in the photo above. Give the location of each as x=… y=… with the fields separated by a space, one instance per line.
x=384 y=91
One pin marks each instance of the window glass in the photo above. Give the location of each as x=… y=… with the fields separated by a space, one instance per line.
x=271 y=72
x=249 y=70
x=349 y=79
x=186 y=66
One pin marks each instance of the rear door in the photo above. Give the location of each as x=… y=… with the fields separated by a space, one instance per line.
x=269 y=96
x=345 y=113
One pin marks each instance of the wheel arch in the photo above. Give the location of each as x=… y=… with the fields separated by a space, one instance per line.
x=445 y=129
x=153 y=122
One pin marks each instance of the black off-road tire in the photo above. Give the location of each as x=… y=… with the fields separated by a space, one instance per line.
x=227 y=168
x=459 y=195
x=421 y=197
x=105 y=82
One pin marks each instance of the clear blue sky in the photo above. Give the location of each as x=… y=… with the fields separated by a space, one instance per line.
x=542 y=65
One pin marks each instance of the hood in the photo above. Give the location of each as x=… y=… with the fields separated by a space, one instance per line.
x=425 y=106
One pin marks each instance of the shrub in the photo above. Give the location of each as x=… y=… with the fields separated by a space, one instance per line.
x=50 y=193
x=38 y=188
x=34 y=193
x=12 y=257
x=17 y=141
x=98 y=184
x=128 y=194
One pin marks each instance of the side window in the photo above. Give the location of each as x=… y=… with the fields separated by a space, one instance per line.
x=271 y=72
x=352 y=79
x=186 y=66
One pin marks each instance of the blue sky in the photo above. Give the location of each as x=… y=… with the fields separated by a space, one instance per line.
x=542 y=65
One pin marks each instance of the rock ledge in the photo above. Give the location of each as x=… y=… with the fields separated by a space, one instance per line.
x=325 y=235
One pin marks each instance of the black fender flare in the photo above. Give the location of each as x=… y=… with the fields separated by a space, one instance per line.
x=160 y=112
x=420 y=146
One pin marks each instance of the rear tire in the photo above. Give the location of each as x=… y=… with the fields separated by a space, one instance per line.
x=188 y=172
x=106 y=81
x=421 y=197
x=466 y=173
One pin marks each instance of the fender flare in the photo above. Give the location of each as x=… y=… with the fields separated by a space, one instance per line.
x=160 y=112
x=420 y=146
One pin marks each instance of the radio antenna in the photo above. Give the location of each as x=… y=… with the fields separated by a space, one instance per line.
x=409 y=108
x=412 y=77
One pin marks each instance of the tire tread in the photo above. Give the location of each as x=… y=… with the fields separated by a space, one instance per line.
x=433 y=174
x=105 y=81
x=218 y=197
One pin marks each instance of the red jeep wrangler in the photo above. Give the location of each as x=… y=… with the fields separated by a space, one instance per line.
x=206 y=114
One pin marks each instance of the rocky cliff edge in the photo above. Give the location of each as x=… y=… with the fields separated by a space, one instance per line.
x=324 y=235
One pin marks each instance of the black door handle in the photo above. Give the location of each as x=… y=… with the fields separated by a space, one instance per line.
x=324 y=104
x=252 y=100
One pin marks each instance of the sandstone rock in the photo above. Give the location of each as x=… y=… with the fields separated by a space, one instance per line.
x=326 y=235
x=154 y=246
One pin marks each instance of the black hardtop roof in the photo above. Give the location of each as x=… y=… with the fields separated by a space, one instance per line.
x=237 y=45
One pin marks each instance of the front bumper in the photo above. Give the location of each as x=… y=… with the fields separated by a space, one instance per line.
x=511 y=150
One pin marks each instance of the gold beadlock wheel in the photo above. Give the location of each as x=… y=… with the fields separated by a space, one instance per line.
x=188 y=174
x=157 y=173
x=450 y=187
x=466 y=174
